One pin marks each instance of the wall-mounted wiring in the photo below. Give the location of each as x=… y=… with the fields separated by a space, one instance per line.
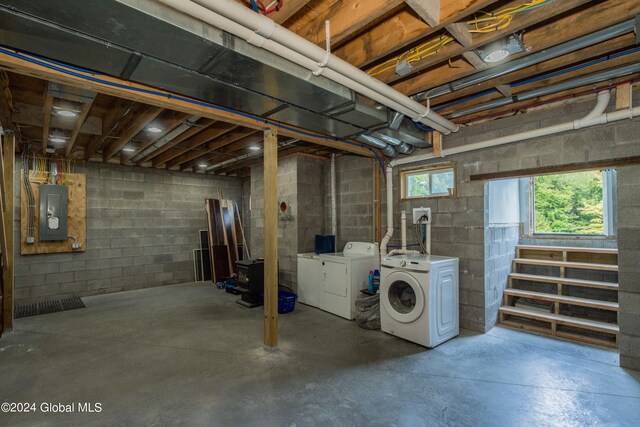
x=412 y=55
x=501 y=19
x=259 y=6
x=31 y=203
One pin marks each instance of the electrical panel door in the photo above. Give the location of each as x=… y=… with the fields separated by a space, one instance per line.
x=54 y=202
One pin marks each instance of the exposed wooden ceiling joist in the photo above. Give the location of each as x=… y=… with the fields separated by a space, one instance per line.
x=214 y=131
x=565 y=28
x=141 y=93
x=520 y=21
x=80 y=119
x=402 y=31
x=48 y=105
x=134 y=128
x=117 y=111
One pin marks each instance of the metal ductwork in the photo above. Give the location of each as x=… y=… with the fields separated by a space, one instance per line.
x=126 y=45
x=526 y=61
x=566 y=85
x=387 y=149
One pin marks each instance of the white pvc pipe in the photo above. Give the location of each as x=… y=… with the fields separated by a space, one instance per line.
x=261 y=31
x=591 y=119
x=334 y=203
x=389 y=234
x=403 y=229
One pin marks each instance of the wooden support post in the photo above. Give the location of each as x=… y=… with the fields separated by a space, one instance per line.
x=9 y=160
x=437 y=144
x=270 y=238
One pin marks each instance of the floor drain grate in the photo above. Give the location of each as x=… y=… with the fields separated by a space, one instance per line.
x=46 y=307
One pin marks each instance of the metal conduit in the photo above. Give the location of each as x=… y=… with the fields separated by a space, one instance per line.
x=518 y=64
x=570 y=84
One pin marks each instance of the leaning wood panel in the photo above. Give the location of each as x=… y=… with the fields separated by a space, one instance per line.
x=77 y=218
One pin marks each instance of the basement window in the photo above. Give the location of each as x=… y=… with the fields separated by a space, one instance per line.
x=578 y=203
x=428 y=182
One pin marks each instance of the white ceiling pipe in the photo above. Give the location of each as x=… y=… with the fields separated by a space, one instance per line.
x=267 y=28
x=594 y=118
x=217 y=15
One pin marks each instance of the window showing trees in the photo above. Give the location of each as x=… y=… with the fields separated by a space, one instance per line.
x=436 y=181
x=570 y=203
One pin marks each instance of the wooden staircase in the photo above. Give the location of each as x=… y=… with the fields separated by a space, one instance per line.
x=541 y=310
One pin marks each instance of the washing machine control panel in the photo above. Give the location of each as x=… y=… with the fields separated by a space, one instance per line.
x=403 y=263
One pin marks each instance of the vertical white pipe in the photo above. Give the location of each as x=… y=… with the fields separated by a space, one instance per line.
x=403 y=231
x=389 y=234
x=334 y=207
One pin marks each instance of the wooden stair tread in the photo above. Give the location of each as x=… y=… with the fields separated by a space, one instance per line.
x=563 y=299
x=611 y=328
x=568 y=249
x=567 y=264
x=565 y=281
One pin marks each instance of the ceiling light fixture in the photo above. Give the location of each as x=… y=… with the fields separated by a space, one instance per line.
x=57 y=139
x=254 y=147
x=128 y=149
x=501 y=49
x=203 y=165
x=154 y=129
x=67 y=113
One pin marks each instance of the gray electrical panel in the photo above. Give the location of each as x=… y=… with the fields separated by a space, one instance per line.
x=54 y=202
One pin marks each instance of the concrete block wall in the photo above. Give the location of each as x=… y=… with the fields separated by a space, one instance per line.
x=304 y=185
x=458 y=223
x=628 y=261
x=287 y=219
x=142 y=227
x=500 y=249
x=311 y=208
x=354 y=188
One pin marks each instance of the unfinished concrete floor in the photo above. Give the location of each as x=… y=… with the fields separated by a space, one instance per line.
x=188 y=355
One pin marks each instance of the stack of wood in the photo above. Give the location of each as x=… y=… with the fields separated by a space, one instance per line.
x=226 y=242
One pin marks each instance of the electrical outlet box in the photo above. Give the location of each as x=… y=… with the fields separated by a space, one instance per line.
x=54 y=203
x=422 y=215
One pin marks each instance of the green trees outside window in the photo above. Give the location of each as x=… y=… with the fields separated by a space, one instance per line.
x=569 y=203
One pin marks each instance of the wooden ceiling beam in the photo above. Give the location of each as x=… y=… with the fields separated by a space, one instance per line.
x=168 y=124
x=80 y=119
x=347 y=18
x=110 y=121
x=48 y=105
x=566 y=28
x=204 y=138
x=117 y=87
x=214 y=131
x=520 y=21
x=212 y=146
x=401 y=31
x=201 y=125
x=132 y=130
x=290 y=8
x=428 y=10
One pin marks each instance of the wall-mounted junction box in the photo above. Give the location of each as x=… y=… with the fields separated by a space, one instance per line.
x=54 y=202
x=422 y=215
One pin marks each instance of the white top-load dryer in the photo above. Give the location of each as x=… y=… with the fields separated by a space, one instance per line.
x=419 y=298
x=332 y=282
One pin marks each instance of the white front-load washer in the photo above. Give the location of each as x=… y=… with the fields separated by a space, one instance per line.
x=419 y=298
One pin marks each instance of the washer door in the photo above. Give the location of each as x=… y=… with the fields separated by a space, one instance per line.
x=402 y=297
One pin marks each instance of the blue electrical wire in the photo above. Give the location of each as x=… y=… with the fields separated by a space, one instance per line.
x=48 y=65
x=255 y=6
